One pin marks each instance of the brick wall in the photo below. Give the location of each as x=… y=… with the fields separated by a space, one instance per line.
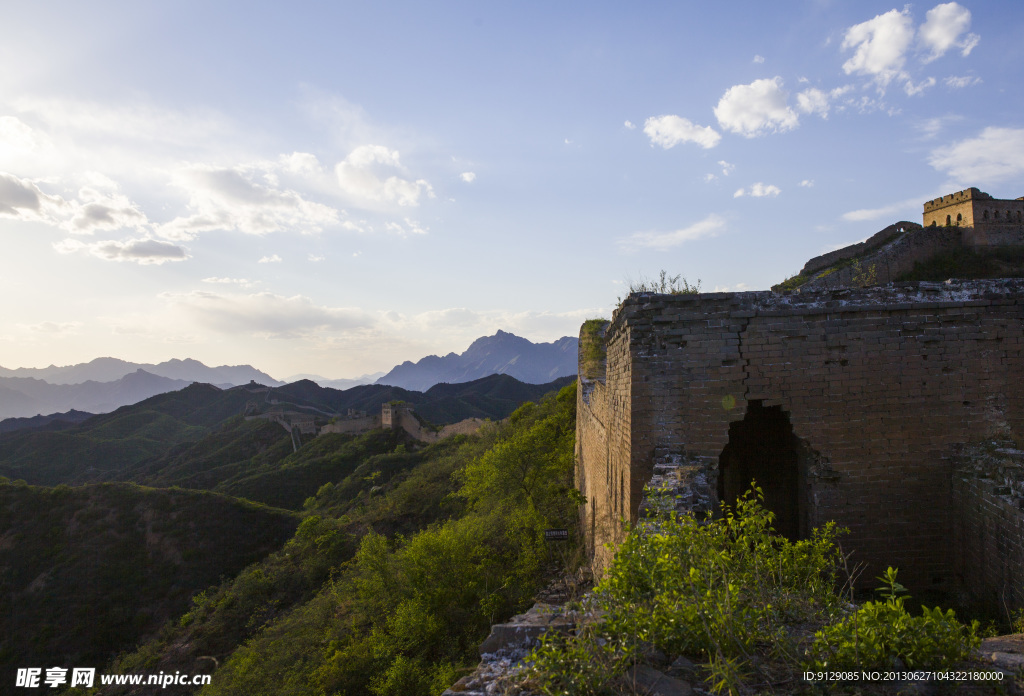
x=878 y=385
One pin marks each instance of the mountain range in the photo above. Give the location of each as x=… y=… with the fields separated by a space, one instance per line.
x=105 y=384
x=112 y=369
x=28 y=396
x=503 y=354
x=142 y=442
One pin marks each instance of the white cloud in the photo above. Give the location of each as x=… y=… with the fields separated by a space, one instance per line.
x=229 y=281
x=19 y=139
x=468 y=177
x=758 y=59
x=410 y=227
x=807 y=183
x=738 y=287
x=813 y=101
x=954 y=82
x=943 y=27
x=109 y=210
x=710 y=177
x=270 y=259
x=885 y=212
x=911 y=89
x=143 y=251
x=630 y=125
x=236 y=198
x=265 y=314
x=880 y=46
x=756 y=109
x=53 y=329
x=23 y=199
x=995 y=155
x=710 y=226
x=759 y=190
x=316 y=259
x=151 y=124
x=303 y=163
x=669 y=131
x=368 y=175
x=727 y=168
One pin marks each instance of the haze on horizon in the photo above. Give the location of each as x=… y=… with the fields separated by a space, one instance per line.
x=336 y=190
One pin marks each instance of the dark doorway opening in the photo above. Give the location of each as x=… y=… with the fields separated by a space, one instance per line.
x=763 y=448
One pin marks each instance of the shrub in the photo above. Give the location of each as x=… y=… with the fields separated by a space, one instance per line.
x=733 y=592
x=881 y=633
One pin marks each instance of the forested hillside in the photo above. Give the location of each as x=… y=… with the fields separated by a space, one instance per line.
x=403 y=554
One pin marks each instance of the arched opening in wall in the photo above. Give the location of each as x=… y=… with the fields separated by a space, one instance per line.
x=763 y=448
x=959 y=218
x=948 y=221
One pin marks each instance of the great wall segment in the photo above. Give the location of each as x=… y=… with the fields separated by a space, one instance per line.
x=892 y=410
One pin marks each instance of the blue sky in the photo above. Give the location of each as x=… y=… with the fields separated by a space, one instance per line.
x=334 y=188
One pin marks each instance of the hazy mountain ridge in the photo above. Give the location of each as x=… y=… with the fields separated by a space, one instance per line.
x=113 y=369
x=53 y=421
x=502 y=353
x=30 y=396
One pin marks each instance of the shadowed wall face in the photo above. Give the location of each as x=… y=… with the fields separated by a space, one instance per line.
x=843 y=405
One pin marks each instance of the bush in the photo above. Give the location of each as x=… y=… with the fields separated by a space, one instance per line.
x=879 y=635
x=733 y=592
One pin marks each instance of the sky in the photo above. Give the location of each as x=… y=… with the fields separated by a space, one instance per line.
x=334 y=188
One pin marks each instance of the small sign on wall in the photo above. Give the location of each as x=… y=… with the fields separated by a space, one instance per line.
x=556 y=535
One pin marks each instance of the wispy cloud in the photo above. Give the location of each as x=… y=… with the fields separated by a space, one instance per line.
x=710 y=226
x=143 y=251
x=885 y=212
x=995 y=155
x=959 y=82
x=758 y=190
x=265 y=314
x=370 y=175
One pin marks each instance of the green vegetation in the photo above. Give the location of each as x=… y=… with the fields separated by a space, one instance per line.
x=742 y=599
x=197 y=437
x=664 y=285
x=879 y=634
x=406 y=614
x=999 y=262
x=397 y=572
x=792 y=283
x=88 y=571
x=593 y=350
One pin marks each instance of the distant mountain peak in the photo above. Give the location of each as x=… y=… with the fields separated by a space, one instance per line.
x=502 y=353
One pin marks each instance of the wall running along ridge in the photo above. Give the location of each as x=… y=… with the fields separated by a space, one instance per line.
x=845 y=404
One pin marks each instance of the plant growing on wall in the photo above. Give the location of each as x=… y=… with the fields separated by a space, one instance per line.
x=663 y=285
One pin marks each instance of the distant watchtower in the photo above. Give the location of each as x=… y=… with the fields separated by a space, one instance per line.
x=391 y=414
x=987 y=221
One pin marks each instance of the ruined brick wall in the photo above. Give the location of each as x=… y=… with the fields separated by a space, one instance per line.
x=878 y=385
x=894 y=259
x=352 y=425
x=602 y=437
x=988 y=530
x=872 y=243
